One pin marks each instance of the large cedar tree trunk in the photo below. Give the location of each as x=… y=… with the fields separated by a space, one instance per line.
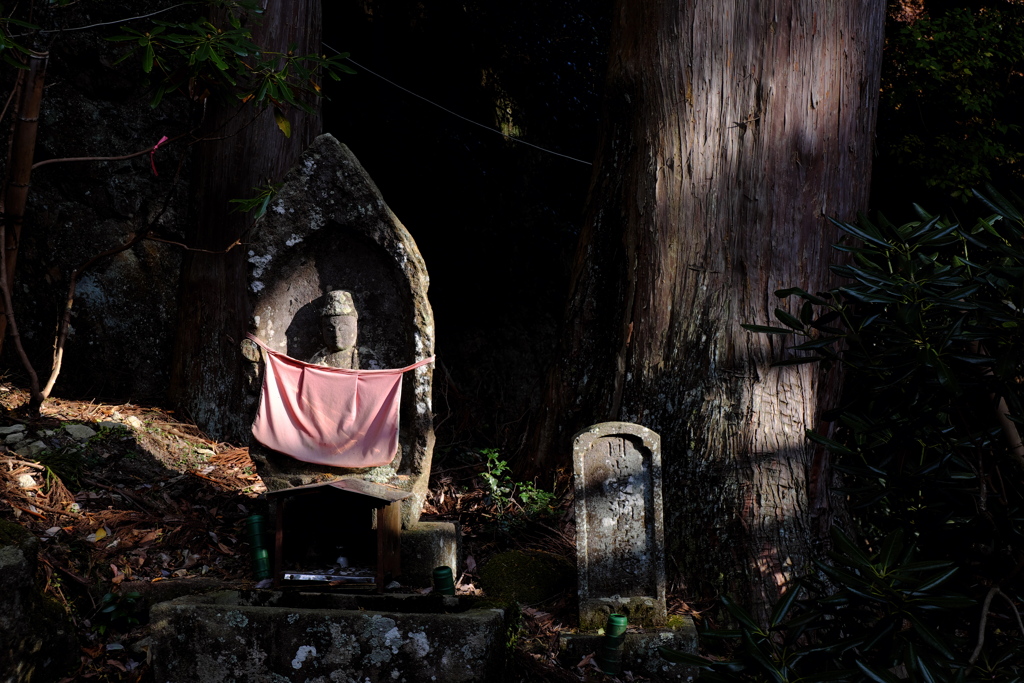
x=732 y=129
x=241 y=155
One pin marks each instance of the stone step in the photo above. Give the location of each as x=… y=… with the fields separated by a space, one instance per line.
x=639 y=650
x=298 y=636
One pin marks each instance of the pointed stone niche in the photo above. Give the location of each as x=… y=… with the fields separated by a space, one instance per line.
x=329 y=230
x=620 y=536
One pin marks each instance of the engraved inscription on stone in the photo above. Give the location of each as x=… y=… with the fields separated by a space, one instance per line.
x=618 y=500
x=619 y=532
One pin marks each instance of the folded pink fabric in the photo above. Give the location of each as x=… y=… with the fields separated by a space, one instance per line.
x=329 y=416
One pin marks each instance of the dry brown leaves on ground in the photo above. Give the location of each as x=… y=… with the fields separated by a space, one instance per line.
x=154 y=500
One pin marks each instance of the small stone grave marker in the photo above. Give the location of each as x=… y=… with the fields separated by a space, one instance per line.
x=620 y=537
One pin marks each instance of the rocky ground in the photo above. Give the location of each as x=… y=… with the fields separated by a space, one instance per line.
x=133 y=506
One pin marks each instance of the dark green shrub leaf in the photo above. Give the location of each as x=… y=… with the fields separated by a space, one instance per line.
x=754 y=650
x=764 y=329
x=817 y=343
x=848 y=548
x=828 y=443
x=677 y=657
x=892 y=547
x=784 y=293
x=876 y=676
x=823 y=676
x=740 y=614
x=929 y=636
x=789 y=320
x=869 y=297
x=998 y=203
x=807 y=313
x=937 y=580
x=863 y=235
x=784 y=604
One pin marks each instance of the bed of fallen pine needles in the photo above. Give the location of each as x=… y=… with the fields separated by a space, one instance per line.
x=152 y=502
x=150 y=509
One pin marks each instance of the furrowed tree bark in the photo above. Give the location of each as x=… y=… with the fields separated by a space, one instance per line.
x=731 y=130
x=206 y=374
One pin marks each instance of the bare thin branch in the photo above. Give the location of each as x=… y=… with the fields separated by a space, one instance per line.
x=231 y=246
x=120 y=158
x=118 y=21
x=15 y=194
x=65 y=322
x=12 y=325
x=1009 y=429
x=981 y=624
x=1020 y=624
x=1010 y=432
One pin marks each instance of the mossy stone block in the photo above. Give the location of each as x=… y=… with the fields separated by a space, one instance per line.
x=426 y=545
x=37 y=642
x=528 y=577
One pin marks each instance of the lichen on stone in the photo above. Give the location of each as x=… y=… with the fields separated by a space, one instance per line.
x=303 y=653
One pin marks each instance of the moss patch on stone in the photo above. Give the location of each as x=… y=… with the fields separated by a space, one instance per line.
x=676 y=621
x=528 y=577
x=13 y=534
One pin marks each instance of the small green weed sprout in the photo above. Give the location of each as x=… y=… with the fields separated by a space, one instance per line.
x=515 y=502
x=117 y=612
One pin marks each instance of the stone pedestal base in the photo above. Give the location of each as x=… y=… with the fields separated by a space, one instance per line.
x=640 y=650
x=426 y=545
x=291 y=636
x=641 y=611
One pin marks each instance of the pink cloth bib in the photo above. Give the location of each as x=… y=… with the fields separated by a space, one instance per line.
x=329 y=416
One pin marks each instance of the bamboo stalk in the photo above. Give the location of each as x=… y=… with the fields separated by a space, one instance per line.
x=19 y=171
x=19 y=168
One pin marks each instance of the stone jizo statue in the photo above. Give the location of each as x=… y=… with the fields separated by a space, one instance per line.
x=339 y=331
x=331 y=230
x=339 y=325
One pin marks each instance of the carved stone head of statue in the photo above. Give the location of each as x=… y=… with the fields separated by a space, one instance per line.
x=339 y=321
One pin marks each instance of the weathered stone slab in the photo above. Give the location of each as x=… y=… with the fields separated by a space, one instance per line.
x=274 y=636
x=327 y=230
x=620 y=536
x=27 y=450
x=80 y=432
x=640 y=654
x=426 y=545
x=15 y=437
x=530 y=577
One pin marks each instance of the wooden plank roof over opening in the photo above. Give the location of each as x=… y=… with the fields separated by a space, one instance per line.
x=369 y=489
